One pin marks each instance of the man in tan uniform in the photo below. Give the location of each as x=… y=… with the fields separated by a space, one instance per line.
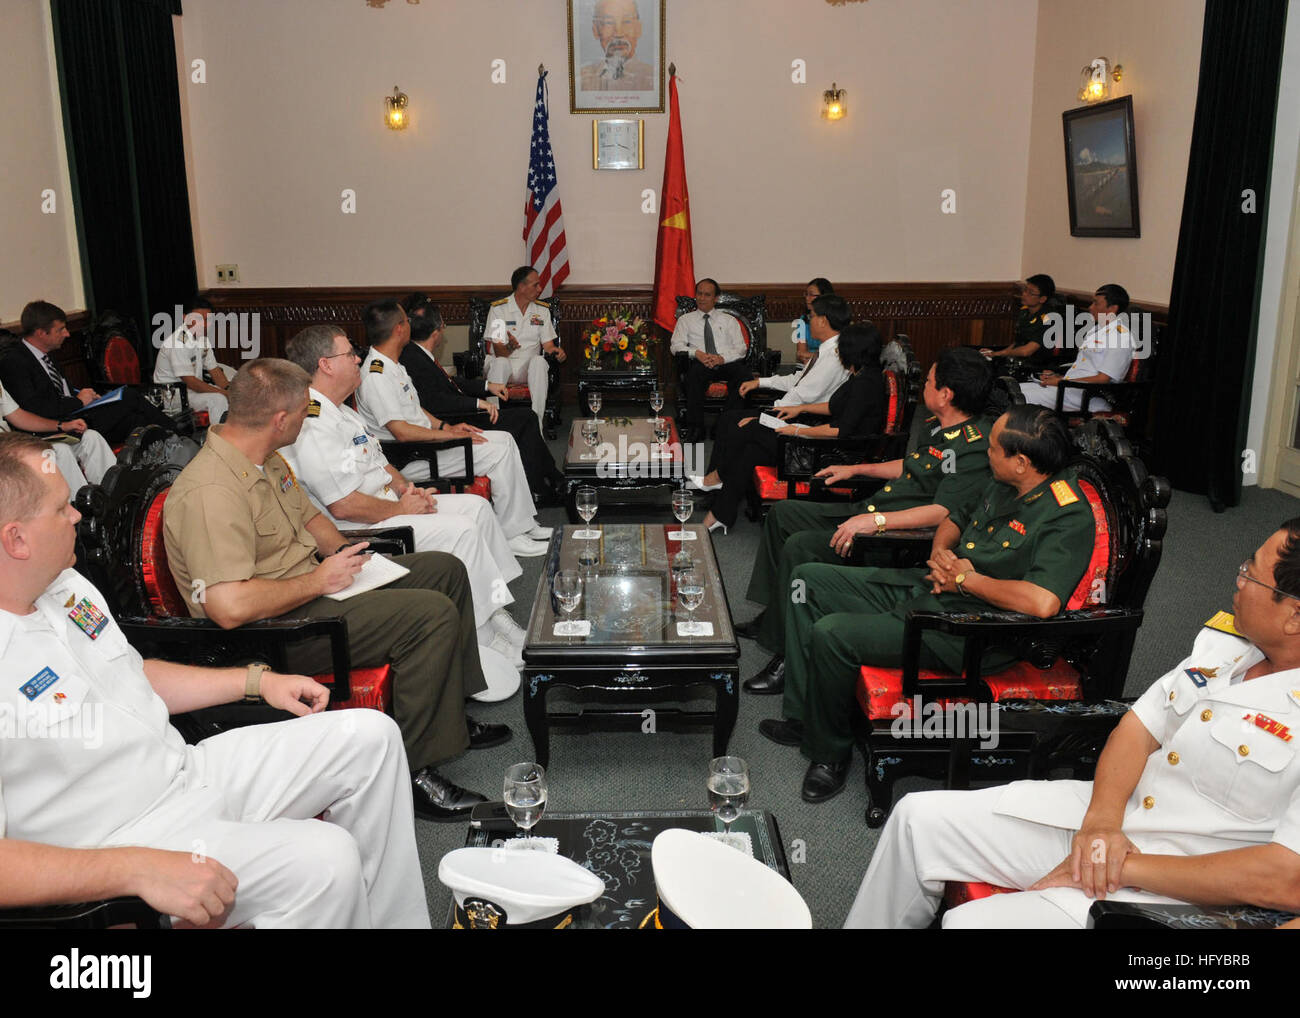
x=245 y=543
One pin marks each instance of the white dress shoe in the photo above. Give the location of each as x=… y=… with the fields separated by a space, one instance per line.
x=503 y=623
x=718 y=525
x=696 y=481
x=540 y=533
x=501 y=674
x=524 y=546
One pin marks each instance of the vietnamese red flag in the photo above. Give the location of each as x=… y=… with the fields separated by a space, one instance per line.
x=674 y=263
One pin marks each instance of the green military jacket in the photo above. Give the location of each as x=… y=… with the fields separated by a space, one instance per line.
x=925 y=481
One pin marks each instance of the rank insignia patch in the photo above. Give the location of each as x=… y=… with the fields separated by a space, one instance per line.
x=950 y=435
x=313 y=407
x=1064 y=496
x=1198 y=679
x=89 y=619
x=973 y=434
x=1222 y=621
x=376 y=367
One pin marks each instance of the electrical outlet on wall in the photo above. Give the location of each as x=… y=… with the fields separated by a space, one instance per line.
x=227 y=273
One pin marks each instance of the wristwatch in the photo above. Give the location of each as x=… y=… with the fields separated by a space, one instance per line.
x=880 y=522
x=958 y=580
x=253 y=683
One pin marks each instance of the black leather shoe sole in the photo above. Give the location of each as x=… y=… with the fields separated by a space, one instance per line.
x=824 y=781
x=484 y=736
x=442 y=814
x=782 y=731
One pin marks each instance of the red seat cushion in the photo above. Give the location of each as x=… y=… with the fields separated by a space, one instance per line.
x=164 y=598
x=894 y=410
x=202 y=419
x=771 y=489
x=1088 y=591
x=121 y=363
x=518 y=391
x=879 y=689
x=371 y=688
x=956 y=893
x=716 y=390
x=480 y=486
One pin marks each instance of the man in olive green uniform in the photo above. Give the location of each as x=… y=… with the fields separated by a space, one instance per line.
x=1037 y=301
x=945 y=466
x=1023 y=545
x=245 y=543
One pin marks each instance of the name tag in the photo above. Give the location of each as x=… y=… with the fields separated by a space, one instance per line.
x=360 y=439
x=38 y=683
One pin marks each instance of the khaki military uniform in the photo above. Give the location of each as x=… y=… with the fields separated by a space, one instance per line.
x=942 y=466
x=226 y=521
x=848 y=616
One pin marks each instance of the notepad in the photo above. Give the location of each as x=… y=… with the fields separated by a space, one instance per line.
x=376 y=572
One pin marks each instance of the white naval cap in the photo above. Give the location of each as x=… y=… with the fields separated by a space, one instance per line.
x=706 y=885
x=496 y=888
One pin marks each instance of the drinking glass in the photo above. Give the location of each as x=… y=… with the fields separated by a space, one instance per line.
x=524 y=792
x=590 y=432
x=594 y=401
x=690 y=593
x=728 y=789
x=661 y=429
x=584 y=500
x=683 y=508
x=656 y=401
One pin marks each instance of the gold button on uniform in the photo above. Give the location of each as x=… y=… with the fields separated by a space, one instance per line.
x=970 y=544
x=1149 y=802
x=1243 y=750
x=1173 y=759
x=887 y=487
x=871 y=508
x=990 y=530
x=1006 y=544
x=1205 y=714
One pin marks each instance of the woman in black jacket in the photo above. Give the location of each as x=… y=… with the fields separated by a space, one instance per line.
x=856 y=408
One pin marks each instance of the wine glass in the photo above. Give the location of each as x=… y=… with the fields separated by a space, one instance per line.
x=567 y=585
x=590 y=432
x=524 y=792
x=690 y=595
x=594 y=401
x=584 y=500
x=728 y=789
x=661 y=430
x=656 y=401
x=683 y=508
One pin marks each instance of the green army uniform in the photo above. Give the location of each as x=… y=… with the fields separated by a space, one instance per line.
x=851 y=616
x=1029 y=328
x=798 y=531
x=226 y=521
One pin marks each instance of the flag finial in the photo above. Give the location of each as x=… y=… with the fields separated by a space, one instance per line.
x=541 y=70
x=672 y=70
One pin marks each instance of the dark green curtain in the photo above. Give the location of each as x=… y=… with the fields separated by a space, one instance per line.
x=122 y=119
x=1207 y=360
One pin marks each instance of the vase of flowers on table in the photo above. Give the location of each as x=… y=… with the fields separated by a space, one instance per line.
x=619 y=339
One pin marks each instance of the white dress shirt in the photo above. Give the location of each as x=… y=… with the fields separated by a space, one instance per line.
x=728 y=337
x=816 y=382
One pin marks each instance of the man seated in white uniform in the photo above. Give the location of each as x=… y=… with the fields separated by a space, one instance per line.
x=186 y=356
x=1105 y=352
x=83 y=457
x=348 y=478
x=1196 y=798
x=518 y=332
x=390 y=406
x=100 y=796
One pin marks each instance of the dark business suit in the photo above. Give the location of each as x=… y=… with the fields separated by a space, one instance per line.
x=441 y=394
x=30 y=386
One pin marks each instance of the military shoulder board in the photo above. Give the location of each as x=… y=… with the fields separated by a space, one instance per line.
x=1222 y=621
x=973 y=434
x=1063 y=494
x=313 y=407
x=376 y=367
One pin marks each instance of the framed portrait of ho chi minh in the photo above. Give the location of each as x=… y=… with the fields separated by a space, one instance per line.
x=616 y=56
x=1101 y=170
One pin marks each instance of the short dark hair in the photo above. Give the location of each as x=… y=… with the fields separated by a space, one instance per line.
x=413 y=303
x=965 y=371
x=835 y=309
x=197 y=302
x=823 y=286
x=40 y=315
x=1115 y=295
x=379 y=319
x=519 y=275
x=707 y=279
x=426 y=323
x=1038 y=433
x=308 y=347
x=859 y=346
x=1045 y=283
x=1286 y=574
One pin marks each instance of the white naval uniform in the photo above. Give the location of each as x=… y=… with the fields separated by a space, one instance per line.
x=183 y=353
x=1219 y=781
x=388 y=394
x=81 y=461
x=334 y=456
x=531 y=329
x=1107 y=350
x=90 y=760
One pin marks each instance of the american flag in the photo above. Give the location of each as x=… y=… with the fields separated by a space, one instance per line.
x=544 y=243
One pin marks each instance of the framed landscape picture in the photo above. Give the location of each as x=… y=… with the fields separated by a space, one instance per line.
x=616 y=56
x=1101 y=170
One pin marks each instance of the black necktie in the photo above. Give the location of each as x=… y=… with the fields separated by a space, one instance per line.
x=59 y=382
x=709 y=346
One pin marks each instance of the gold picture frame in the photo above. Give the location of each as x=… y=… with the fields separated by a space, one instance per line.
x=618 y=68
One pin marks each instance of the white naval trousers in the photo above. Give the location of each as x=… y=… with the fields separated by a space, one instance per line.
x=498 y=458
x=466 y=527
x=522 y=367
x=934 y=837
x=91 y=453
x=247 y=799
x=215 y=403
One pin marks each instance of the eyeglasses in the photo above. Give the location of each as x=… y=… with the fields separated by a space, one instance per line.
x=1244 y=574
x=346 y=353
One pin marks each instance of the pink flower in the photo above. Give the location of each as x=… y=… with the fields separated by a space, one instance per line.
x=627 y=356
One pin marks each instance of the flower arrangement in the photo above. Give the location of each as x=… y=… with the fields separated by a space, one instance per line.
x=619 y=339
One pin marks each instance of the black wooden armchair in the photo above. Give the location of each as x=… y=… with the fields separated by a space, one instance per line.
x=471 y=363
x=751 y=312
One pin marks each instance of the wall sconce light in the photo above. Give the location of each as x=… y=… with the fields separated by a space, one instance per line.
x=397 y=118
x=833 y=104
x=1095 y=79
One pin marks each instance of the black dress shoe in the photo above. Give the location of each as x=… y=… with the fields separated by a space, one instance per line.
x=824 y=781
x=482 y=734
x=750 y=630
x=436 y=798
x=770 y=680
x=782 y=731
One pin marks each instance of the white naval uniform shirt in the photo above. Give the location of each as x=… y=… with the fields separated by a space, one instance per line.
x=387 y=394
x=1103 y=350
x=531 y=328
x=728 y=337
x=86 y=745
x=183 y=353
x=1226 y=774
x=335 y=456
x=811 y=384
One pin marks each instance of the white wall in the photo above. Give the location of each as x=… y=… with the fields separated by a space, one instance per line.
x=292 y=113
